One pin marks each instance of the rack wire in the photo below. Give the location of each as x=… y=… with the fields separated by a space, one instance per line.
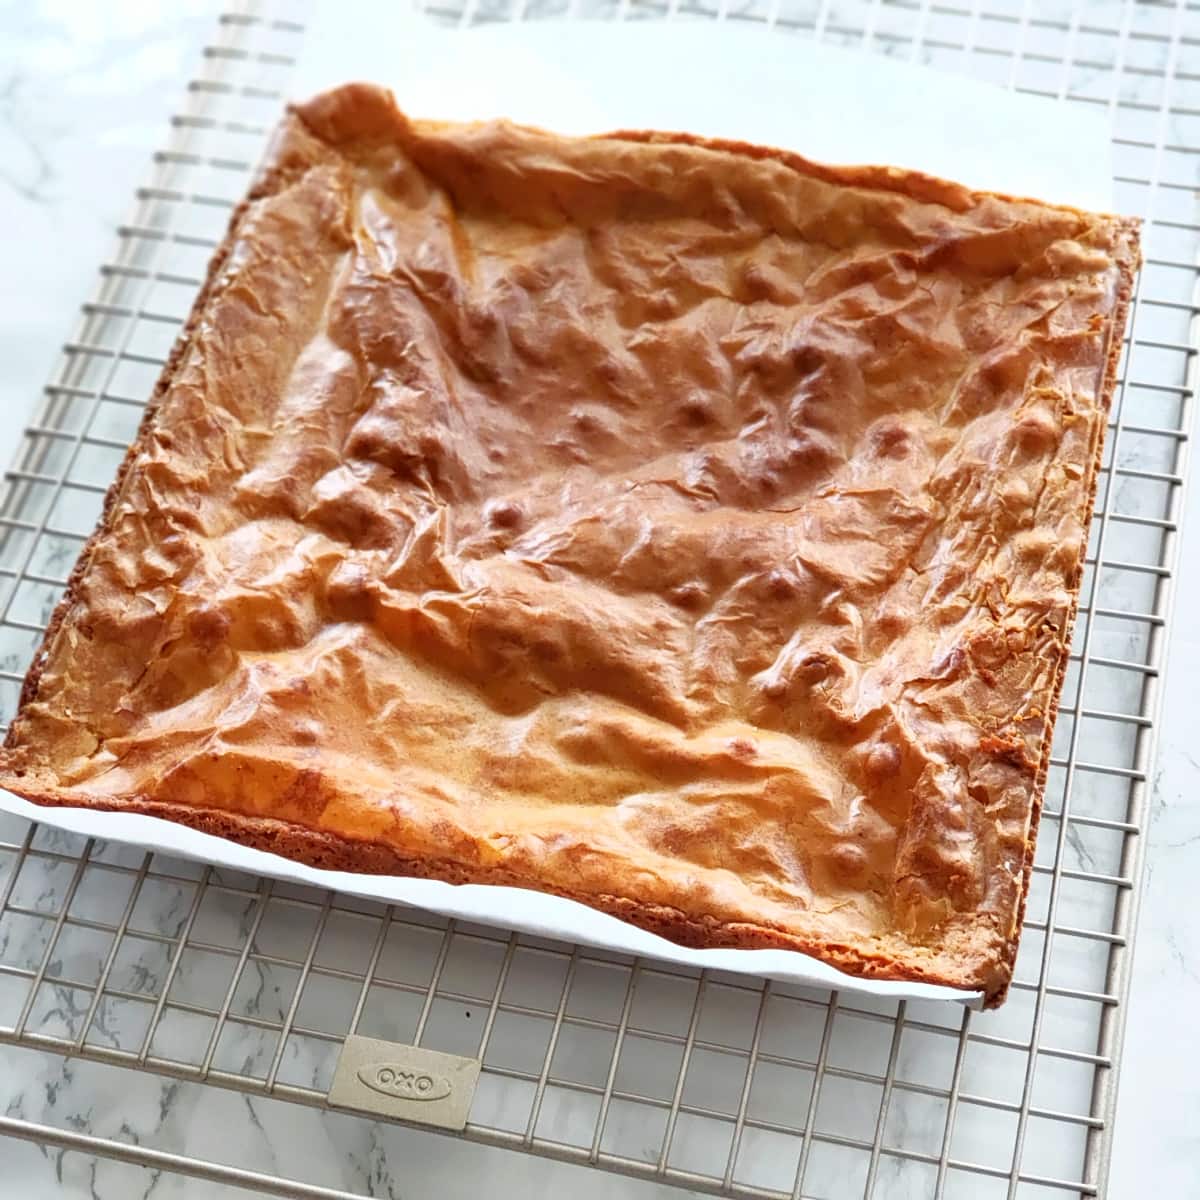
x=713 y=1082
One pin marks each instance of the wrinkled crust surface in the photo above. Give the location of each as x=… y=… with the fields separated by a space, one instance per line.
x=677 y=526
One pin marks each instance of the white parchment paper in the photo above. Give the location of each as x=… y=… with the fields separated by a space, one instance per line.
x=721 y=81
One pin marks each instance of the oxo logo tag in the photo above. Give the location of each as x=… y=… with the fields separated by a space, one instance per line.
x=392 y=1079
x=427 y=1087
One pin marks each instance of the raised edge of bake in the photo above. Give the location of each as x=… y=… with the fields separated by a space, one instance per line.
x=333 y=852
x=1129 y=266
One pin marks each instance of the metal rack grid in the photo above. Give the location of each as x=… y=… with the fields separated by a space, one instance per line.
x=716 y=1083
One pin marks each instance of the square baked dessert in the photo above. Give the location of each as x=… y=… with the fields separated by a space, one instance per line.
x=675 y=525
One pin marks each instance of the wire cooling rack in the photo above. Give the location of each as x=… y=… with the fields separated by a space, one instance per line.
x=715 y=1083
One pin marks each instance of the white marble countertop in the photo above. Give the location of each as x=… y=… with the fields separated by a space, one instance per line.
x=84 y=93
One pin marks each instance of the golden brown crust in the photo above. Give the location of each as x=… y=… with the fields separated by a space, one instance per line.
x=677 y=526
x=329 y=852
x=34 y=674
x=1112 y=358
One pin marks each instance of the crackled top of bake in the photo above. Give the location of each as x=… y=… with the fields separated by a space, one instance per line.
x=653 y=518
